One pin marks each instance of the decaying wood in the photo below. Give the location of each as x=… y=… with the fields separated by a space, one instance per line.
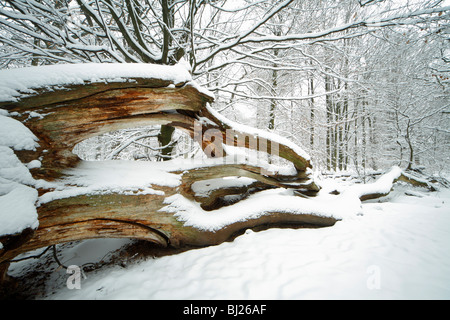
x=77 y=112
x=138 y=216
x=416 y=182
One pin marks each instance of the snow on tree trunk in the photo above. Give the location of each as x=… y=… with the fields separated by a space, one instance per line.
x=49 y=196
x=62 y=105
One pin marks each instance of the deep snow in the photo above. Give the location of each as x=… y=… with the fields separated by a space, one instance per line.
x=397 y=249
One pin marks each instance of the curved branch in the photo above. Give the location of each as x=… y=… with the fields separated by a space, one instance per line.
x=81 y=207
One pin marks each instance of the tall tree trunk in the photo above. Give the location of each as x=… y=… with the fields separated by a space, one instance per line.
x=364 y=135
x=166 y=132
x=345 y=117
x=165 y=139
x=273 y=102
x=311 y=111
x=356 y=136
x=329 y=111
x=410 y=147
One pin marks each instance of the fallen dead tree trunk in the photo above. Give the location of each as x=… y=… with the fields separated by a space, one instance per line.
x=60 y=115
x=167 y=203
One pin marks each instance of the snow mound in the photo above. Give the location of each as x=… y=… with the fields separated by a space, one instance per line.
x=15 y=135
x=382 y=186
x=17 y=195
x=17 y=207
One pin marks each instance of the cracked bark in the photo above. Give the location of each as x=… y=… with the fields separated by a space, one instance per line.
x=78 y=112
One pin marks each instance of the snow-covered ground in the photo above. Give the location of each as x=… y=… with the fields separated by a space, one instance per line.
x=397 y=249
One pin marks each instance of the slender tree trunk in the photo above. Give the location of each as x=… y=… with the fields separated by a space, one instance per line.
x=346 y=132
x=356 y=136
x=273 y=103
x=408 y=141
x=372 y=139
x=164 y=139
x=346 y=125
x=364 y=135
x=311 y=112
x=165 y=135
x=335 y=107
x=329 y=122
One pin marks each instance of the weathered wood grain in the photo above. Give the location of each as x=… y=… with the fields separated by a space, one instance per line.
x=75 y=113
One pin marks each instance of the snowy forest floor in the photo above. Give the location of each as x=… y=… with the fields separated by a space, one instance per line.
x=397 y=249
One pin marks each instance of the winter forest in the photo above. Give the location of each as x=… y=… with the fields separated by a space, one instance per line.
x=361 y=86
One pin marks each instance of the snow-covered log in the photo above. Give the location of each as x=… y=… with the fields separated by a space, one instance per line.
x=49 y=196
